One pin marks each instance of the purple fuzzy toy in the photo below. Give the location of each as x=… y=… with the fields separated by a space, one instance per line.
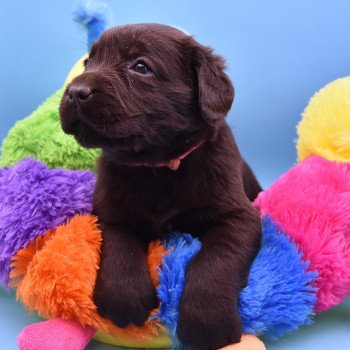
x=35 y=199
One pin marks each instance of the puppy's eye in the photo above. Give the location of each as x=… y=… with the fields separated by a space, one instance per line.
x=85 y=62
x=141 y=68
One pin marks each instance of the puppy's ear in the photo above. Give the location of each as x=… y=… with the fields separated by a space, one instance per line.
x=215 y=90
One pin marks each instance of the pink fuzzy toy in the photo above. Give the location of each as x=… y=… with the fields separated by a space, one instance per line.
x=311 y=202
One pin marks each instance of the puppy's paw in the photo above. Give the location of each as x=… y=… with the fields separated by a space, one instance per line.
x=127 y=302
x=208 y=324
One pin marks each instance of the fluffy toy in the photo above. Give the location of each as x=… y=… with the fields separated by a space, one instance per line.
x=39 y=136
x=329 y=112
x=49 y=241
x=302 y=267
x=67 y=258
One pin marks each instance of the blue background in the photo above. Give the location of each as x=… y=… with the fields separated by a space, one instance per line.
x=278 y=52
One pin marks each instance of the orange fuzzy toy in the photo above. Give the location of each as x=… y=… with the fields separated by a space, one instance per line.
x=55 y=276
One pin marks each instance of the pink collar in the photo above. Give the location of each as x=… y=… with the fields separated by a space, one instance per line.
x=172 y=164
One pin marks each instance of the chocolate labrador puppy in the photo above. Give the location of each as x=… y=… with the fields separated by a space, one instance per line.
x=155 y=101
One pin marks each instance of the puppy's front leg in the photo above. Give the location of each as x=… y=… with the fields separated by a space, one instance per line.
x=124 y=292
x=208 y=310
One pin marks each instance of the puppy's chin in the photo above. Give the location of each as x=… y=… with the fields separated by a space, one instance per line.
x=85 y=135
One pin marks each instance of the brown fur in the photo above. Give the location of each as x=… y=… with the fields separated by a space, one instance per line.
x=152 y=117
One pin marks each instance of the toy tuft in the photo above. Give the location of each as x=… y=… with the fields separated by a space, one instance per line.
x=94 y=16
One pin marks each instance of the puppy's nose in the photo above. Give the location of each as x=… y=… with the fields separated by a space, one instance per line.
x=79 y=92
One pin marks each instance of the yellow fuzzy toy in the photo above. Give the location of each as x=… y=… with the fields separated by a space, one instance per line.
x=329 y=112
x=77 y=69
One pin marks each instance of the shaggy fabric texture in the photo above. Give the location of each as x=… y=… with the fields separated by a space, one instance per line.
x=68 y=259
x=325 y=127
x=55 y=276
x=34 y=199
x=311 y=202
x=172 y=275
x=279 y=297
x=40 y=136
x=55 y=334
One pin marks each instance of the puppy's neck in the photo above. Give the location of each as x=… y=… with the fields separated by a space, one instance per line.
x=172 y=164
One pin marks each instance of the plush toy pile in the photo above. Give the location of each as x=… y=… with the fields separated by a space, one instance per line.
x=50 y=242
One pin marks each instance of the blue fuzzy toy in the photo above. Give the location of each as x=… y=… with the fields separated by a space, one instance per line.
x=279 y=296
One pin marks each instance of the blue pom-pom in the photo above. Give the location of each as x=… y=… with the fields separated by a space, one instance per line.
x=94 y=15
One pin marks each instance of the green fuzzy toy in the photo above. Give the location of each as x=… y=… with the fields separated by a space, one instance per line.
x=40 y=136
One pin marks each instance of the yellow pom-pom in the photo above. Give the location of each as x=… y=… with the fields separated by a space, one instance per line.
x=77 y=69
x=325 y=127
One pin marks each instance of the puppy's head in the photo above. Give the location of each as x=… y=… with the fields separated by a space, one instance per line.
x=149 y=92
